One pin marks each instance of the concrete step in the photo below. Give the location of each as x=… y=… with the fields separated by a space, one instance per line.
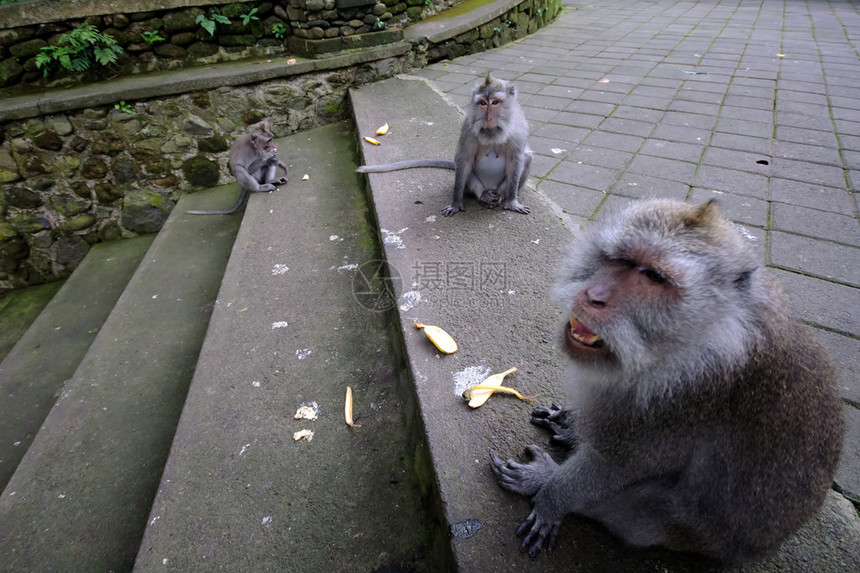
x=486 y=277
x=18 y=309
x=48 y=353
x=238 y=493
x=80 y=496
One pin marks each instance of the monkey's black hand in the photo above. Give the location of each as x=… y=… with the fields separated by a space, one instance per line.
x=525 y=479
x=452 y=209
x=541 y=533
x=491 y=198
x=558 y=421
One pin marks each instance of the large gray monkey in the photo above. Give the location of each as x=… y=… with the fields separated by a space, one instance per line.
x=493 y=158
x=703 y=416
x=254 y=163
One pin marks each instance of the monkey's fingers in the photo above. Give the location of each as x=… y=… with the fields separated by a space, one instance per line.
x=540 y=534
x=547 y=424
x=496 y=464
x=518 y=207
x=525 y=479
x=538 y=454
x=527 y=525
x=452 y=210
x=543 y=412
x=509 y=475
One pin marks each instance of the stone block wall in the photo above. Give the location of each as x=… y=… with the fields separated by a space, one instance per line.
x=72 y=179
x=518 y=22
x=166 y=39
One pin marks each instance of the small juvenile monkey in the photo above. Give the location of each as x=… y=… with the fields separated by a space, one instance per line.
x=493 y=158
x=704 y=417
x=254 y=162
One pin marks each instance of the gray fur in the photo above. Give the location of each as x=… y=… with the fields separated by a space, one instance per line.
x=493 y=159
x=254 y=163
x=709 y=422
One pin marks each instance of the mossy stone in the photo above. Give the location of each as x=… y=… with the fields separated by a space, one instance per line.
x=69 y=205
x=200 y=171
x=80 y=222
x=214 y=144
x=145 y=210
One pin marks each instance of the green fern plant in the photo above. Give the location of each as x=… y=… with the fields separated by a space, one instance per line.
x=78 y=49
x=209 y=23
x=151 y=37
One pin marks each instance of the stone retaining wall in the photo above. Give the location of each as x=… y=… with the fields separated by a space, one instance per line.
x=73 y=179
x=154 y=38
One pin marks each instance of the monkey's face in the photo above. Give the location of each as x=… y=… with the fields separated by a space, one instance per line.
x=654 y=281
x=489 y=121
x=264 y=141
x=489 y=106
x=619 y=309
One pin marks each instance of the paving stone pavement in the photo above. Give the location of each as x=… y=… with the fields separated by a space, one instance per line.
x=754 y=103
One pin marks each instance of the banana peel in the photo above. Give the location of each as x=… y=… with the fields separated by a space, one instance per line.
x=441 y=339
x=371 y=141
x=382 y=130
x=347 y=409
x=480 y=393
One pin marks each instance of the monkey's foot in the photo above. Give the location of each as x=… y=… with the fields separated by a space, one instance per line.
x=517 y=206
x=266 y=188
x=558 y=421
x=452 y=209
x=525 y=479
x=540 y=532
x=280 y=181
x=490 y=199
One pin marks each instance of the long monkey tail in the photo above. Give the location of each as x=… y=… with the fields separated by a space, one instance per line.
x=408 y=164
x=229 y=211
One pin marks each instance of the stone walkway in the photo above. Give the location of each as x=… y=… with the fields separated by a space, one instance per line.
x=754 y=103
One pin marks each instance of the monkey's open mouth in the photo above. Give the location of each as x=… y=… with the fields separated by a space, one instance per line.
x=579 y=334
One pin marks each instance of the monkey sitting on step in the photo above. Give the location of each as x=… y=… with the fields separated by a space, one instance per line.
x=703 y=416
x=254 y=162
x=493 y=158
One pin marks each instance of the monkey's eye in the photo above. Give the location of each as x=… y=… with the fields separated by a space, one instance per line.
x=482 y=103
x=652 y=275
x=495 y=102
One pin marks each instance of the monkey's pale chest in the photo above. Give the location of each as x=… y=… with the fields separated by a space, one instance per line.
x=490 y=169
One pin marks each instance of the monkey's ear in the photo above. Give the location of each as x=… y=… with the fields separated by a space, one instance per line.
x=512 y=89
x=703 y=214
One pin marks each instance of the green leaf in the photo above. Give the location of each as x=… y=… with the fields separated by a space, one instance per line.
x=105 y=56
x=206 y=24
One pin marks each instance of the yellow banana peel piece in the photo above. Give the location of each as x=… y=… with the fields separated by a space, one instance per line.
x=371 y=140
x=347 y=409
x=382 y=130
x=441 y=339
x=480 y=393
